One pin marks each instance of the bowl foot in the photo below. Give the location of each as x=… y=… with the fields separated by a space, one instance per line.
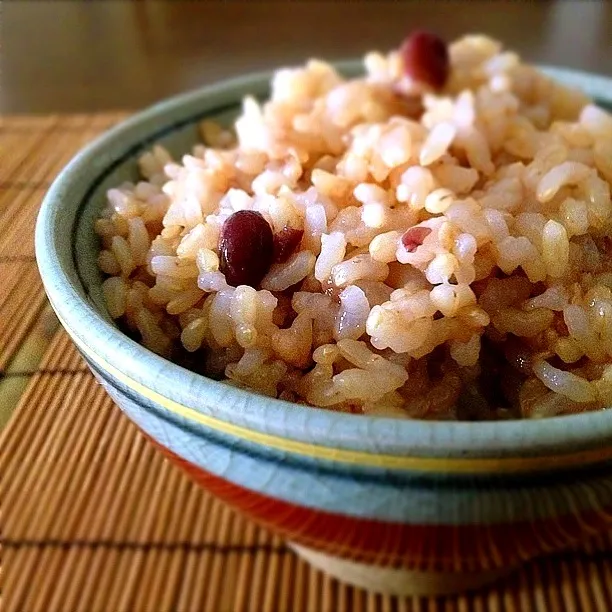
x=394 y=581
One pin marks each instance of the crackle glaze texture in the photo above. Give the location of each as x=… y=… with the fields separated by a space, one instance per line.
x=435 y=496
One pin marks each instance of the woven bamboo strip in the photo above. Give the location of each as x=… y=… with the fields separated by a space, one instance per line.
x=32 y=453
x=601 y=587
x=178 y=510
x=539 y=590
x=245 y=569
x=343 y=597
x=81 y=577
x=19 y=204
x=371 y=601
x=133 y=526
x=158 y=521
x=231 y=569
x=545 y=588
x=142 y=495
x=19 y=324
x=299 y=585
x=214 y=582
x=313 y=578
x=8 y=555
x=48 y=152
x=586 y=578
x=125 y=572
x=286 y=582
x=195 y=511
x=19 y=577
x=11 y=275
x=604 y=578
x=584 y=601
x=52 y=152
x=19 y=302
x=108 y=563
x=567 y=585
x=523 y=599
x=21 y=471
x=76 y=469
x=270 y=595
x=27 y=429
x=17 y=435
x=26 y=359
x=238 y=531
x=360 y=602
x=108 y=500
x=11 y=389
x=48 y=468
x=90 y=562
x=133 y=576
x=18 y=237
x=22 y=146
x=19 y=313
x=44 y=166
x=555 y=597
x=199 y=586
x=227 y=595
x=234 y=539
x=480 y=603
x=169 y=583
x=62 y=355
x=190 y=580
x=71 y=574
x=166 y=518
x=143 y=590
x=217 y=532
x=53 y=563
x=192 y=595
x=386 y=603
x=589 y=586
x=326 y=588
x=266 y=553
x=101 y=514
x=96 y=451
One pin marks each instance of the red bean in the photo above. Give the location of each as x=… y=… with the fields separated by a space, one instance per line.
x=285 y=243
x=414 y=237
x=246 y=248
x=425 y=58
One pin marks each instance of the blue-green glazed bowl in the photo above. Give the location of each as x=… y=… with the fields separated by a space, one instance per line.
x=394 y=505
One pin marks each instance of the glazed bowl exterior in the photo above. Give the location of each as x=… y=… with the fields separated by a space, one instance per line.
x=393 y=505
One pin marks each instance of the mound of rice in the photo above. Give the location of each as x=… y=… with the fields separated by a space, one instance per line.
x=455 y=260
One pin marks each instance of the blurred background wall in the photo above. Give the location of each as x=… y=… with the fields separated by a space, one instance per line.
x=75 y=55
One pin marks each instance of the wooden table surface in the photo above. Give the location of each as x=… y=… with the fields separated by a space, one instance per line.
x=81 y=56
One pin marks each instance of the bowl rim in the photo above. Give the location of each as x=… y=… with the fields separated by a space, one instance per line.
x=363 y=441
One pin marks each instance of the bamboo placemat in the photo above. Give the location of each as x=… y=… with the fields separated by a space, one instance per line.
x=93 y=518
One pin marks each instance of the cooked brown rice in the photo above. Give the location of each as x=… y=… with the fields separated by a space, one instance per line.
x=455 y=260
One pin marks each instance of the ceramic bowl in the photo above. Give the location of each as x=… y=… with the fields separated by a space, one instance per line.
x=392 y=505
